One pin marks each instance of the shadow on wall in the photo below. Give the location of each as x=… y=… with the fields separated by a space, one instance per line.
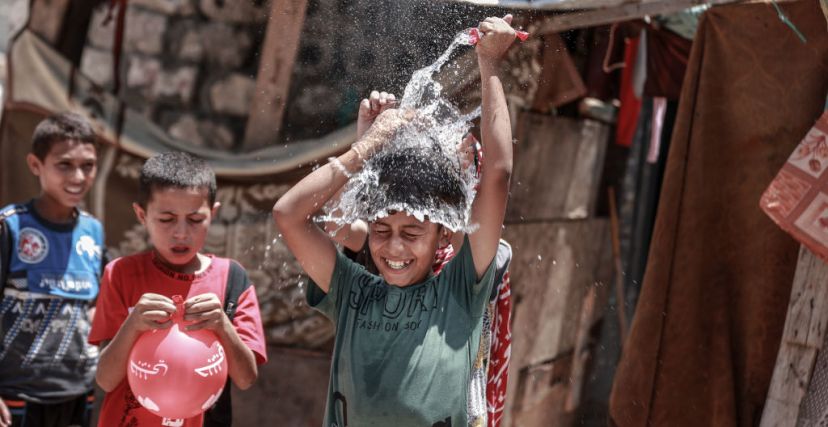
x=290 y=391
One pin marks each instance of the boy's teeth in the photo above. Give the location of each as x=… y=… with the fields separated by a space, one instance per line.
x=396 y=265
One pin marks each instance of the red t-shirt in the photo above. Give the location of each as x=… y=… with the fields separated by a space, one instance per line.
x=124 y=281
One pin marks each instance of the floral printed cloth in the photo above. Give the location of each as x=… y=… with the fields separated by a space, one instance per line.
x=797 y=199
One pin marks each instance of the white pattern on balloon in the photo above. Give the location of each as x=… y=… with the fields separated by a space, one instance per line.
x=211 y=400
x=214 y=364
x=147 y=403
x=144 y=370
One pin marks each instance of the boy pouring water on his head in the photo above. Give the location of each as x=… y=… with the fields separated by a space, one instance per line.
x=406 y=340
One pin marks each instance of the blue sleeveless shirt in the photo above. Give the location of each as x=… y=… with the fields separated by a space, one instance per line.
x=52 y=274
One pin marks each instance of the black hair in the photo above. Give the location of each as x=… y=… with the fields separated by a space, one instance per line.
x=66 y=126
x=417 y=177
x=175 y=169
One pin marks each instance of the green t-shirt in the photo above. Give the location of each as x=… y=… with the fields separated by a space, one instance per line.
x=403 y=355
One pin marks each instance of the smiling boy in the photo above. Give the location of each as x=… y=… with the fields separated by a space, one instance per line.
x=51 y=256
x=405 y=339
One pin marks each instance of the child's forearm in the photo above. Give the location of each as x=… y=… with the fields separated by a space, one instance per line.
x=302 y=201
x=241 y=362
x=112 y=362
x=495 y=126
x=489 y=206
x=293 y=214
x=351 y=236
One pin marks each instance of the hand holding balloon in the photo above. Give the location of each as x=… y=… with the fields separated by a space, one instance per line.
x=152 y=311
x=205 y=312
x=178 y=374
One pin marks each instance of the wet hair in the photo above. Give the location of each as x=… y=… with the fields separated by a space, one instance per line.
x=66 y=126
x=175 y=169
x=416 y=178
x=418 y=171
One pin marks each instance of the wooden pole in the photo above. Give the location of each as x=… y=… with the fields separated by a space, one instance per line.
x=802 y=339
x=619 y=268
x=278 y=55
x=579 y=355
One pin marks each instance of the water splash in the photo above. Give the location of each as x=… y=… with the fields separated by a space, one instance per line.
x=423 y=155
x=424 y=94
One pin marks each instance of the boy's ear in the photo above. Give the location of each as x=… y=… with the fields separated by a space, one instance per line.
x=215 y=209
x=34 y=164
x=445 y=236
x=140 y=213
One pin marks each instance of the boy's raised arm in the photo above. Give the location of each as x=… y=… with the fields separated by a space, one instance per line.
x=353 y=236
x=489 y=206
x=294 y=211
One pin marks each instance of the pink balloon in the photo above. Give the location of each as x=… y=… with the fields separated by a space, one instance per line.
x=176 y=373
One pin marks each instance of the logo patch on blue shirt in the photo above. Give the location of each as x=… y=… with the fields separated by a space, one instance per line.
x=86 y=245
x=32 y=246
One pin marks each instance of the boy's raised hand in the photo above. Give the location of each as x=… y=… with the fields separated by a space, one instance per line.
x=153 y=311
x=371 y=107
x=205 y=311
x=382 y=131
x=496 y=35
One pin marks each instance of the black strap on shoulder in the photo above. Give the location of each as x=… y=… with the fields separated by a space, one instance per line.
x=236 y=284
x=221 y=414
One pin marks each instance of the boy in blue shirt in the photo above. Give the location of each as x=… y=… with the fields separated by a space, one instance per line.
x=406 y=340
x=51 y=256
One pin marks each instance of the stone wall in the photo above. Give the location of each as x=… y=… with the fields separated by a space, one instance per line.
x=190 y=65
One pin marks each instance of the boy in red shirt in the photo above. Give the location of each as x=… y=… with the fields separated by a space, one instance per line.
x=176 y=206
